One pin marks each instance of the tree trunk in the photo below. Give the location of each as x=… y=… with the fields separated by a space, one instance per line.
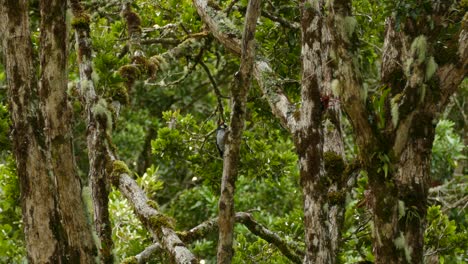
x=231 y=157
x=400 y=202
x=54 y=221
x=97 y=130
x=58 y=120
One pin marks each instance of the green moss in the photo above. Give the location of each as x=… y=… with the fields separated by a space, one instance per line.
x=118 y=167
x=120 y=94
x=334 y=165
x=157 y=62
x=81 y=22
x=337 y=197
x=130 y=260
x=153 y=204
x=161 y=220
x=130 y=73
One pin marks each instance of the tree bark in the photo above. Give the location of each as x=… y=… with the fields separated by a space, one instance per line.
x=42 y=227
x=96 y=133
x=231 y=158
x=58 y=120
x=308 y=139
x=55 y=225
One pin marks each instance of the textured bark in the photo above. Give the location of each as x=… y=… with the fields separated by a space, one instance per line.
x=154 y=221
x=308 y=138
x=399 y=216
x=53 y=214
x=96 y=135
x=42 y=227
x=58 y=120
x=231 y=157
x=304 y=123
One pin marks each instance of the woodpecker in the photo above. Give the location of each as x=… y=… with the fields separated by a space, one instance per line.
x=221 y=138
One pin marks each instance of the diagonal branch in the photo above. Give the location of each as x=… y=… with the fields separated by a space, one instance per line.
x=160 y=226
x=270 y=83
x=291 y=251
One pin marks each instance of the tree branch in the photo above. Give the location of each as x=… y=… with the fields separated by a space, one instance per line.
x=270 y=83
x=218 y=94
x=291 y=251
x=158 y=224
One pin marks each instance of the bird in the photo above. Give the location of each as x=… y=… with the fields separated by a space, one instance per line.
x=221 y=137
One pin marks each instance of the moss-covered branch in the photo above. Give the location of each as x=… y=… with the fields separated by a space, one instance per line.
x=160 y=226
x=145 y=256
x=291 y=251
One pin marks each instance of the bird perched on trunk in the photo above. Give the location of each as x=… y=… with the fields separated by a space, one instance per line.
x=221 y=137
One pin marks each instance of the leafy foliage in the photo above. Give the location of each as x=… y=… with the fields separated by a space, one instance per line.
x=444 y=238
x=12 y=248
x=447 y=151
x=169 y=120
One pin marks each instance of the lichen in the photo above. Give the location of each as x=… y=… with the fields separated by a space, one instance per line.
x=102 y=114
x=431 y=68
x=400 y=243
x=395 y=107
x=84 y=85
x=349 y=26
x=419 y=49
x=408 y=66
x=335 y=87
x=401 y=209
x=95 y=78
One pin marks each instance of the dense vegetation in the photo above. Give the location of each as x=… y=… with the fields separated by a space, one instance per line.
x=165 y=131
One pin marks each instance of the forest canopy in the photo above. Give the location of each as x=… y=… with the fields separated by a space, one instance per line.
x=241 y=131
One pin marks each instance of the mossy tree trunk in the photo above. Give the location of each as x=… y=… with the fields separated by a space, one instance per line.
x=231 y=158
x=323 y=194
x=96 y=133
x=55 y=224
x=395 y=142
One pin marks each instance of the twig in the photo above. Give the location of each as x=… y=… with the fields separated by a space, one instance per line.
x=291 y=251
x=216 y=90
